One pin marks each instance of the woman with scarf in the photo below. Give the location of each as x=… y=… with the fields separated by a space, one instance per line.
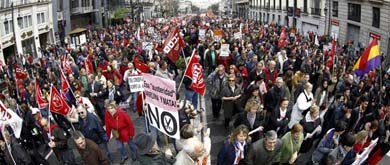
x=253 y=118
x=304 y=101
x=234 y=149
x=312 y=127
x=292 y=142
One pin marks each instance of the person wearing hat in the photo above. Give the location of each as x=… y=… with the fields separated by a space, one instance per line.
x=148 y=151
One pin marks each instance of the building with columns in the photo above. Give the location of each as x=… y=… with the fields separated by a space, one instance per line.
x=26 y=26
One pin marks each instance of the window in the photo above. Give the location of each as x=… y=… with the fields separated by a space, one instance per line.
x=376 y=17
x=305 y=6
x=20 y=22
x=40 y=18
x=8 y=27
x=24 y=1
x=29 y=20
x=335 y=9
x=354 y=11
x=5 y=3
x=280 y=4
x=274 y=5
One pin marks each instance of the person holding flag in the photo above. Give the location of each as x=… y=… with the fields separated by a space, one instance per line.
x=193 y=79
x=369 y=60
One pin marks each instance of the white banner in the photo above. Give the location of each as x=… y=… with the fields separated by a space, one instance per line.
x=162 y=112
x=238 y=35
x=224 y=50
x=136 y=83
x=147 y=45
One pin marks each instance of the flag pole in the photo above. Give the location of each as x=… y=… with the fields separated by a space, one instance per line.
x=144 y=111
x=185 y=70
x=380 y=80
x=2 y=133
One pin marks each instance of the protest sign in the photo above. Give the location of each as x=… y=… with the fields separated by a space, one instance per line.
x=238 y=35
x=162 y=110
x=147 y=45
x=202 y=34
x=136 y=83
x=224 y=50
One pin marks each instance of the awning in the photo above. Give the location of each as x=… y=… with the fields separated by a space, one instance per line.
x=243 y=1
x=77 y=30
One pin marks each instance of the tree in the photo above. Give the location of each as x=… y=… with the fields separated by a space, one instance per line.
x=214 y=7
x=121 y=13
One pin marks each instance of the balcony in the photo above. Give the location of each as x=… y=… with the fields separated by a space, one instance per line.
x=316 y=11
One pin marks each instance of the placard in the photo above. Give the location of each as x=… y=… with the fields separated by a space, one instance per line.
x=136 y=83
x=224 y=50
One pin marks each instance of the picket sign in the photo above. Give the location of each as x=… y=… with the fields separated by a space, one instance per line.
x=136 y=83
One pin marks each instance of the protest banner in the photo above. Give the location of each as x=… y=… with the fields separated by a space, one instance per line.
x=147 y=45
x=162 y=110
x=224 y=50
x=238 y=35
x=136 y=83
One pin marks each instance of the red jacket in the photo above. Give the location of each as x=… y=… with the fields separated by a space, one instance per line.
x=270 y=78
x=121 y=121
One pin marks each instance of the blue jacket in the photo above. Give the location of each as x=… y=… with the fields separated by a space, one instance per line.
x=93 y=129
x=227 y=154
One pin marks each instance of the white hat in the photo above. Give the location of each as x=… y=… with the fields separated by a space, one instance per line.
x=34 y=111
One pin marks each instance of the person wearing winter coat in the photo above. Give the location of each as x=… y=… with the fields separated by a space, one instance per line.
x=119 y=124
x=265 y=150
x=18 y=154
x=91 y=128
x=235 y=148
x=291 y=143
x=330 y=141
x=89 y=150
x=304 y=101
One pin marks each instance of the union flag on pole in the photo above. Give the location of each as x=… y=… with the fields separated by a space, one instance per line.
x=66 y=89
x=10 y=118
x=173 y=44
x=57 y=103
x=194 y=71
x=42 y=103
x=67 y=68
x=140 y=66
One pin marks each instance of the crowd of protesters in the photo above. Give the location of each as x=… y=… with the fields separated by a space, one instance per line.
x=278 y=102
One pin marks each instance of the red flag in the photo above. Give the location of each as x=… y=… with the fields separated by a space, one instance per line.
x=332 y=53
x=173 y=44
x=194 y=71
x=282 y=39
x=42 y=103
x=67 y=68
x=57 y=104
x=88 y=66
x=64 y=82
x=20 y=74
x=140 y=66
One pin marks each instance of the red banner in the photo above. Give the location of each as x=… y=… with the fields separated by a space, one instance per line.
x=140 y=66
x=194 y=71
x=42 y=103
x=173 y=44
x=57 y=104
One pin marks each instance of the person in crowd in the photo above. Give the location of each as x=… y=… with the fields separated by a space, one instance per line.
x=191 y=154
x=301 y=79
x=343 y=153
x=230 y=99
x=280 y=117
x=322 y=94
x=91 y=128
x=252 y=118
x=312 y=128
x=57 y=140
x=85 y=102
x=276 y=94
x=304 y=101
x=256 y=72
x=96 y=93
x=291 y=144
x=149 y=152
x=234 y=71
x=14 y=152
x=89 y=151
x=216 y=81
x=264 y=150
x=114 y=93
x=120 y=125
x=235 y=148
x=211 y=58
x=360 y=141
x=270 y=74
x=163 y=71
x=329 y=141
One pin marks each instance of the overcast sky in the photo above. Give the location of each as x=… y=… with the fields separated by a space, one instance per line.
x=204 y=3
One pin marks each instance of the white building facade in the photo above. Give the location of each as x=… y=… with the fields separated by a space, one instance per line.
x=26 y=26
